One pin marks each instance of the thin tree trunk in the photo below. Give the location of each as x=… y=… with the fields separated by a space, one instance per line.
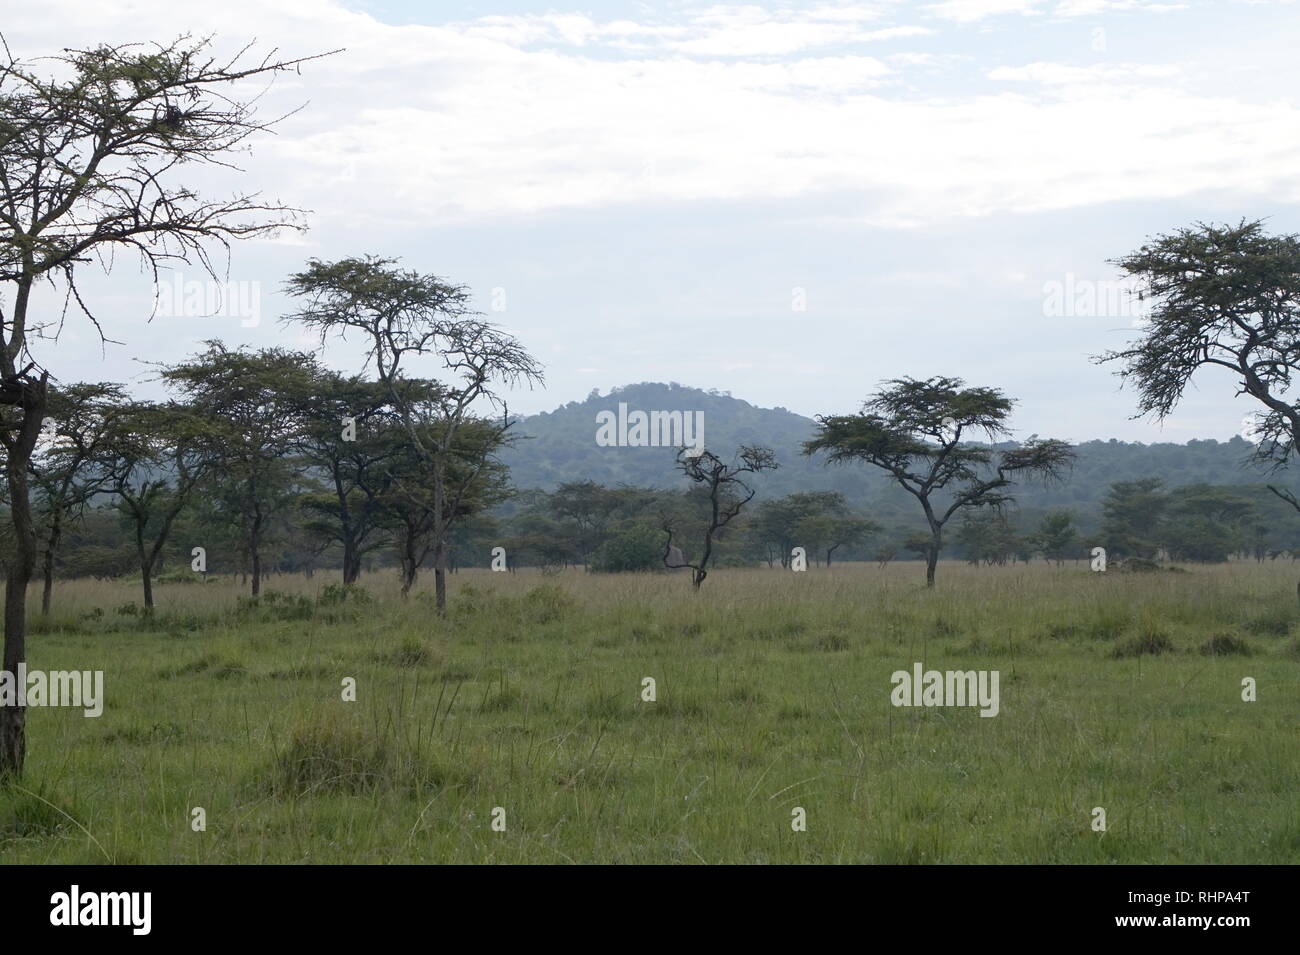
x=409 y=568
x=440 y=576
x=351 y=566
x=146 y=575
x=51 y=543
x=439 y=541
x=408 y=559
x=146 y=564
x=932 y=559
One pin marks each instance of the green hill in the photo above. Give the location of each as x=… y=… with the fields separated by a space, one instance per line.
x=561 y=446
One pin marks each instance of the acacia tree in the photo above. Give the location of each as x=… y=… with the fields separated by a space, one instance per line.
x=913 y=429
x=723 y=485
x=71 y=469
x=348 y=437
x=588 y=506
x=476 y=479
x=1056 y=536
x=248 y=401
x=819 y=519
x=404 y=316
x=833 y=528
x=775 y=525
x=1132 y=512
x=157 y=455
x=1223 y=297
x=89 y=154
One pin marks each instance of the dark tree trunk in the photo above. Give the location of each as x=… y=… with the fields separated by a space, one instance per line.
x=146 y=564
x=408 y=556
x=146 y=575
x=410 y=569
x=347 y=559
x=51 y=545
x=13 y=719
x=439 y=541
x=936 y=543
x=440 y=576
x=700 y=572
x=351 y=560
x=931 y=560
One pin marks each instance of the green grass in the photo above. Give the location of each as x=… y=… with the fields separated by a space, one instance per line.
x=772 y=692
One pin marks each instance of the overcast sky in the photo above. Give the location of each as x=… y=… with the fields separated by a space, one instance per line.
x=787 y=201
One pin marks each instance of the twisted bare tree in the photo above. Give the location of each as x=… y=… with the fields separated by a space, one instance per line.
x=724 y=486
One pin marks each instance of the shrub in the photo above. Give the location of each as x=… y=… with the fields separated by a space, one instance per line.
x=637 y=547
x=1150 y=642
x=333 y=595
x=273 y=605
x=547 y=603
x=1138 y=565
x=181 y=577
x=37 y=814
x=326 y=757
x=1225 y=645
x=831 y=643
x=1273 y=622
x=1108 y=625
x=413 y=652
x=943 y=627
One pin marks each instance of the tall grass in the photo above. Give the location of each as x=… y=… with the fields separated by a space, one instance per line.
x=772 y=693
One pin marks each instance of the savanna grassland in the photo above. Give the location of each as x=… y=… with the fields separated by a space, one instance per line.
x=772 y=693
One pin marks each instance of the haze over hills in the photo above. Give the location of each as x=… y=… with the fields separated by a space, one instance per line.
x=560 y=446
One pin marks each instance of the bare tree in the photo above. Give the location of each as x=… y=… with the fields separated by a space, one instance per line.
x=88 y=161
x=724 y=486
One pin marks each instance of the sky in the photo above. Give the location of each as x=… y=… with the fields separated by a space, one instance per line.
x=791 y=202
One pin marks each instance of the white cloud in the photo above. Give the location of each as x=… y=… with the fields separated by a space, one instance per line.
x=969 y=11
x=724 y=30
x=1102 y=74
x=419 y=125
x=1088 y=8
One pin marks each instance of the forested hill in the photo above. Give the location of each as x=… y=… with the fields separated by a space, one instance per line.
x=561 y=446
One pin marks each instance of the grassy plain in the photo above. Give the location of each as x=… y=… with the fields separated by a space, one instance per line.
x=773 y=692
